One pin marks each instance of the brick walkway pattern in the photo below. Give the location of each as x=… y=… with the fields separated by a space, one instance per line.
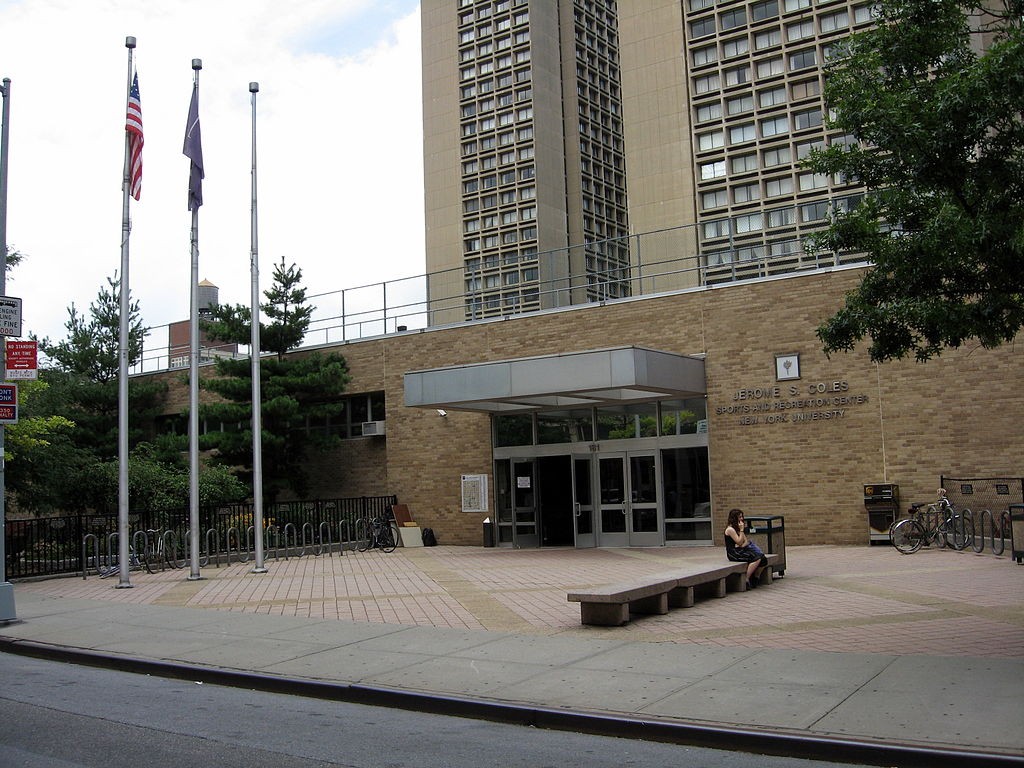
x=841 y=599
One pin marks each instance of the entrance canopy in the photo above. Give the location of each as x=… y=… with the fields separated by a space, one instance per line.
x=603 y=377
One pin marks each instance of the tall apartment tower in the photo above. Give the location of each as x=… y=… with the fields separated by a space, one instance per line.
x=574 y=147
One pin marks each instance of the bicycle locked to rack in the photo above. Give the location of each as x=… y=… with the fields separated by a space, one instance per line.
x=936 y=523
x=379 y=532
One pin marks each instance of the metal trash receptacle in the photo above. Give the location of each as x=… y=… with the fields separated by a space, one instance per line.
x=769 y=533
x=489 y=533
x=1017 y=532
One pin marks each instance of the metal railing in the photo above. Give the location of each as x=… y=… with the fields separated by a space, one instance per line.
x=70 y=544
x=609 y=270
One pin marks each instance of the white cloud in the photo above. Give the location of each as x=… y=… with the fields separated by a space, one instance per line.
x=338 y=133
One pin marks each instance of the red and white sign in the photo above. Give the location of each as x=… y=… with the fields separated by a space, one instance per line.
x=21 y=359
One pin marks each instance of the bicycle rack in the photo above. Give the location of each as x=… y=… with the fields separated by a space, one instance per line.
x=979 y=545
x=295 y=538
x=228 y=534
x=325 y=528
x=90 y=537
x=307 y=527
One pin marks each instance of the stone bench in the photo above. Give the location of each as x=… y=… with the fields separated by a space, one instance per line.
x=611 y=605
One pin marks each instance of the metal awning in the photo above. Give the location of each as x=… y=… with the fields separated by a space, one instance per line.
x=620 y=376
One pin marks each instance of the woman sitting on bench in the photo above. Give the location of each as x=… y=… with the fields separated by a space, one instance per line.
x=740 y=549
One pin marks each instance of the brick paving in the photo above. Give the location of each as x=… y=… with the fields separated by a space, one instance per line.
x=841 y=599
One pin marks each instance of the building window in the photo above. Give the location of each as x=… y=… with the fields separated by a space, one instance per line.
x=746 y=193
x=767 y=39
x=812 y=212
x=782 y=217
x=714 y=199
x=705 y=84
x=803 y=59
x=713 y=229
x=764 y=10
x=809 y=181
x=711 y=111
x=737 y=75
x=706 y=55
x=834 y=21
x=753 y=222
x=712 y=140
x=741 y=133
x=743 y=163
x=778 y=156
x=739 y=104
x=806 y=89
x=733 y=18
x=712 y=170
x=770 y=67
x=810 y=118
x=774 y=126
x=735 y=47
x=702 y=27
x=778 y=187
x=800 y=31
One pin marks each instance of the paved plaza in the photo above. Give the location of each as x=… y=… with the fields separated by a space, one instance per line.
x=852 y=644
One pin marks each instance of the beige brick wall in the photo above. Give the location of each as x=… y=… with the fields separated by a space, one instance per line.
x=903 y=422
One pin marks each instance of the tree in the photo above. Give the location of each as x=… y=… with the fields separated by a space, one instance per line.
x=300 y=393
x=937 y=118
x=285 y=307
x=80 y=388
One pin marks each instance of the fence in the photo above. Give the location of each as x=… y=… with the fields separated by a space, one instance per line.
x=52 y=546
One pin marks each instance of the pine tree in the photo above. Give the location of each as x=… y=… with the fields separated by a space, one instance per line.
x=300 y=392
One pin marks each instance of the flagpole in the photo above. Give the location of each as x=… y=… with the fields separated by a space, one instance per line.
x=254 y=355
x=124 y=580
x=193 y=421
x=7 y=610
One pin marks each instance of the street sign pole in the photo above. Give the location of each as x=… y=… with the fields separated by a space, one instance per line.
x=7 y=612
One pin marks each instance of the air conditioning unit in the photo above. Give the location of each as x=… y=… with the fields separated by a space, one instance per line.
x=373 y=428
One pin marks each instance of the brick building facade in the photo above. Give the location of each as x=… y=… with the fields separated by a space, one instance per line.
x=799 y=441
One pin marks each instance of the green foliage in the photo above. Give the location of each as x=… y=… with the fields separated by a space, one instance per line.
x=69 y=426
x=91 y=349
x=294 y=390
x=941 y=152
x=285 y=307
x=157 y=486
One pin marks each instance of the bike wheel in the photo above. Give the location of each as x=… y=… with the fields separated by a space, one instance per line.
x=907 y=536
x=388 y=538
x=960 y=533
x=362 y=534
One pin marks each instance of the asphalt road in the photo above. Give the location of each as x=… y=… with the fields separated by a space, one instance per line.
x=57 y=715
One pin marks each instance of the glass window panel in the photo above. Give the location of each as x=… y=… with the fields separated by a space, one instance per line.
x=514 y=429
x=565 y=427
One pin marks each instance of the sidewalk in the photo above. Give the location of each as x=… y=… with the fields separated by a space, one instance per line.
x=861 y=649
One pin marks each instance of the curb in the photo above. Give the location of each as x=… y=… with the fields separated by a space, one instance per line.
x=733 y=739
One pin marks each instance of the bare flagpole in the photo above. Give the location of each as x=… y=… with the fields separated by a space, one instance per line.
x=7 y=610
x=254 y=355
x=124 y=579
x=194 y=151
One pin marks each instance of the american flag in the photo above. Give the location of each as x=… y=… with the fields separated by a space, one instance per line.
x=133 y=126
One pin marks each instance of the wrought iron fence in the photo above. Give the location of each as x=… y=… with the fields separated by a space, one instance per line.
x=51 y=546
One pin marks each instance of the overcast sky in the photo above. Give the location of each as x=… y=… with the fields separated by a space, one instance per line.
x=338 y=140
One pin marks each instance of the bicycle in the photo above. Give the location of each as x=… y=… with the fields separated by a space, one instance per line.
x=376 y=533
x=941 y=524
x=135 y=563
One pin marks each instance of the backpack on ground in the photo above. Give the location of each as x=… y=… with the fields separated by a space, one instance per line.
x=429 y=539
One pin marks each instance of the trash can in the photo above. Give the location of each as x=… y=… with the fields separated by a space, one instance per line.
x=489 y=533
x=1017 y=532
x=769 y=533
x=882 y=502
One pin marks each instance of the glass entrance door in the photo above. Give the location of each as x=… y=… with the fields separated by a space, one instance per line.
x=524 y=508
x=583 y=501
x=629 y=500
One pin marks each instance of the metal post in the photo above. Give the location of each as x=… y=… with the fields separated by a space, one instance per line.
x=7 y=612
x=254 y=356
x=193 y=416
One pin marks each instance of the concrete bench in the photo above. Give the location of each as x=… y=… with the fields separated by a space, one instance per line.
x=611 y=605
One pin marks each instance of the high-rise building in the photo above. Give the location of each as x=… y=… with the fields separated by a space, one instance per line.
x=572 y=146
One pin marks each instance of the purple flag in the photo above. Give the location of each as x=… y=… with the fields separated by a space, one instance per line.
x=193 y=150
